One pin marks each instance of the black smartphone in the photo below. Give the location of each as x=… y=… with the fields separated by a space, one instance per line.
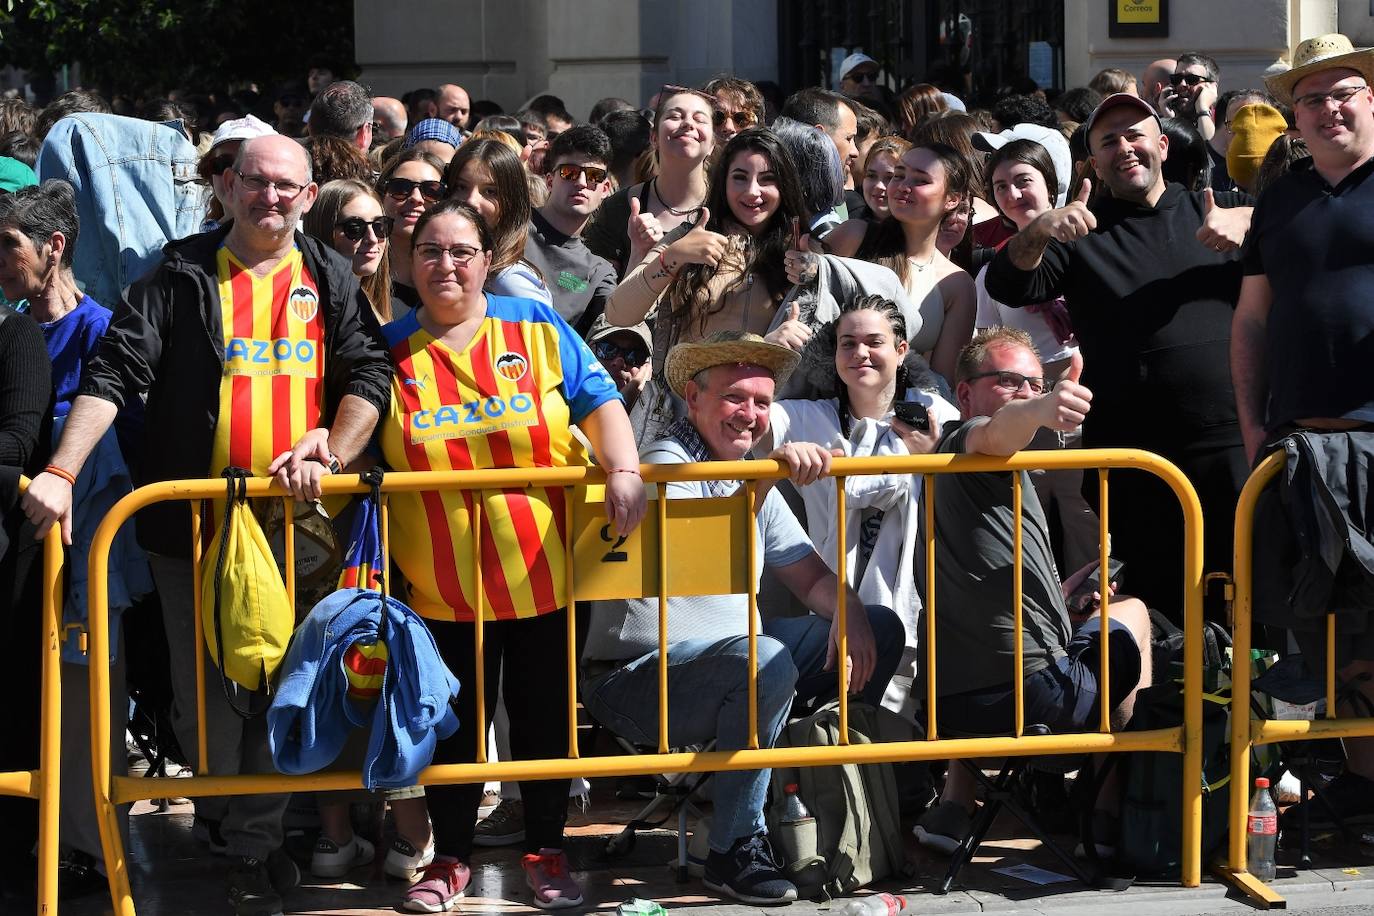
x=913 y=414
x=1082 y=597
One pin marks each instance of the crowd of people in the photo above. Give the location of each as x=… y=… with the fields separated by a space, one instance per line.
x=430 y=283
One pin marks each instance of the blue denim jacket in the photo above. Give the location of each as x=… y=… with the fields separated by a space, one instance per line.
x=136 y=190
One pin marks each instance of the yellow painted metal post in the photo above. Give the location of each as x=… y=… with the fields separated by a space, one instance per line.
x=1331 y=666
x=569 y=586
x=751 y=552
x=50 y=742
x=842 y=607
x=1104 y=687
x=928 y=485
x=289 y=547
x=479 y=606
x=663 y=620
x=1191 y=847
x=202 y=741
x=1019 y=674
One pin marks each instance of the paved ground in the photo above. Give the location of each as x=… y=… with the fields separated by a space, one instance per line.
x=176 y=875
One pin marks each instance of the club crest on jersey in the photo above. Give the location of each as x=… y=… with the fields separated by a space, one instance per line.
x=511 y=366
x=304 y=303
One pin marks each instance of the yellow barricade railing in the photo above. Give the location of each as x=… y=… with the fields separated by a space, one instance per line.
x=601 y=566
x=1247 y=731
x=43 y=783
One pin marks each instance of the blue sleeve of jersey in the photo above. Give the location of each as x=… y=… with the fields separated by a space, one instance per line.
x=586 y=384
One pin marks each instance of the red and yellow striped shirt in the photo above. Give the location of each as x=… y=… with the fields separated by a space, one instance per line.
x=507 y=400
x=273 y=385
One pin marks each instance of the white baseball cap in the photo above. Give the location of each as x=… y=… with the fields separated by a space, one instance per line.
x=1052 y=140
x=244 y=128
x=854 y=61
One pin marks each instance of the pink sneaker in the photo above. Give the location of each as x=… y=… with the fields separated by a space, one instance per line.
x=547 y=875
x=438 y=887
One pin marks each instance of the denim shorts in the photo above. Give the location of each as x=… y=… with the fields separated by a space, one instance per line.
x=1063 y=695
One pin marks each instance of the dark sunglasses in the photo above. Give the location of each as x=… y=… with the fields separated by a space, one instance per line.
x=1192 y=79
x=401 y=188
x=570 y=172
x=221 y=164
x=743 y=119
x=868 y=76
x=607 y=350
x=355 y=227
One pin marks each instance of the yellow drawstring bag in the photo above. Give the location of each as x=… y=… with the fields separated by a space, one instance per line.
x=246 y=613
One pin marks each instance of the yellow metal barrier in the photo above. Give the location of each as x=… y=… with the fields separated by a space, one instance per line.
x=43 y=783
x=1247 y=731
x=603 y=566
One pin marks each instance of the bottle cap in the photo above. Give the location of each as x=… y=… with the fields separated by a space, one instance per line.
x=1261 y=783
x=791 y=788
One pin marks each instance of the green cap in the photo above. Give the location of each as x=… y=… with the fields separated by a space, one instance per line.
x=15 y=175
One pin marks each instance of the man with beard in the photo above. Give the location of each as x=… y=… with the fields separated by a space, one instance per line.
x=1150 y=278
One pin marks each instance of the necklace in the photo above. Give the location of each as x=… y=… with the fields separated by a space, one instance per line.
x=920 y=267
x=653 y=186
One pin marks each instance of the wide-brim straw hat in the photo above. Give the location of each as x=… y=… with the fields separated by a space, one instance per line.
x=727 y=348
x=1325 y=52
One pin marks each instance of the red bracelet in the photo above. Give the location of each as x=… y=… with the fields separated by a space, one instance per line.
x=664 y=264
x=634 y=471
x=60 y=472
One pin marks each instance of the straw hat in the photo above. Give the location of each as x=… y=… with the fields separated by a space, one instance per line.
x=727 y=348
x=1325 y=52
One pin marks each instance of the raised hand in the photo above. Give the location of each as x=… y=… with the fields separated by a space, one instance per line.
x=1067 y=403
x=1223 y=228
x=792 y=333
x=700 y=246
x=1072 y=221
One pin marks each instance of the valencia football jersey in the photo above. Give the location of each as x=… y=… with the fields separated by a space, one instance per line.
x=506 y=400
x=273 y=382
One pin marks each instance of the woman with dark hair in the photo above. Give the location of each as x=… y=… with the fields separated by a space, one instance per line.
x=665 y=207
x=348 y=216
x=490 y=178
x=728 y=272
x=467 y=345
x=917 y=105
x=410 y=183
x=930 y=182
x=1188 y=163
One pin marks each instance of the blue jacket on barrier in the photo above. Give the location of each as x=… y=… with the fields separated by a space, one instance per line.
x=312 y=713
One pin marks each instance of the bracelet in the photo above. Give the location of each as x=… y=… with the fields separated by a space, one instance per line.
x=60 y=472
x=664 y=264
x=634 y=471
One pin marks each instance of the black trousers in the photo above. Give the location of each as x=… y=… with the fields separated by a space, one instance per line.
x=532 y=653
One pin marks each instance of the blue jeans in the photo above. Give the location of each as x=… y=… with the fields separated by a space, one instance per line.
x=708 y=697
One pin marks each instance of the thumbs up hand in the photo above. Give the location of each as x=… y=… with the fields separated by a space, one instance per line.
x=700 y=246
x=1068 y=402
x=644 y=231
x=1072 y=221
x=792 y=333
x=1223 y=228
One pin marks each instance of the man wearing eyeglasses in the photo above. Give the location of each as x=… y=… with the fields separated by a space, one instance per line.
x=578 y=179
x=1192 y=92
x=255 y=348
x=1301 y=357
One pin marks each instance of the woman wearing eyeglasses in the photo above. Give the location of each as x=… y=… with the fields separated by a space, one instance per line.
x=663 y=209
x=410 y=183
x=485 y=381
x=348 y=217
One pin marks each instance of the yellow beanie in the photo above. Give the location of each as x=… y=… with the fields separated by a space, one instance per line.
x=1254 y=128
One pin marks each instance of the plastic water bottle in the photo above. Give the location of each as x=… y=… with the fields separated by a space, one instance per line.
x=796 y=834
x=638 y=906
x=793 y=810
x=876 y=905
x=1261 y=832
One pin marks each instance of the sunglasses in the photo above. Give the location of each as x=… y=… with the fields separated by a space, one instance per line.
x=221 y=164
x=743 y=119
x=570 y=172
x=607 y=350
x=1012 y=381
x=355 y=227
x=1192 y=79
x=868 y=76
x=401 y=188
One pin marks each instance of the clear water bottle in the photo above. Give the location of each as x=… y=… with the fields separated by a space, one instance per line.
x=793 y=810
x=875 y=905
x=1261 y=832
x=638 y=906
x=796 y=834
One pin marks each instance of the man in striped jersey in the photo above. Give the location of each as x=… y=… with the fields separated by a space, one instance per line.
x=255 y=348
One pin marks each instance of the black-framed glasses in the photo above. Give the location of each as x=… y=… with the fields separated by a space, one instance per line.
x=1012 y=381
x=1316 y=101
x=401 y=188
x=569 y=172
x=1192 y=79
x=286 y=190
x=633 y=356
x=221 y=164
x=743 y=119
x=355 y=227
x=433 y=252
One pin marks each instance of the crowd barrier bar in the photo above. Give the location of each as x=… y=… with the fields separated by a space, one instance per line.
x=1248 y=731
x=1184 y=739
x=43 y=784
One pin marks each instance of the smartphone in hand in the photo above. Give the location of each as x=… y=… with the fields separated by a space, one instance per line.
x=913 y=414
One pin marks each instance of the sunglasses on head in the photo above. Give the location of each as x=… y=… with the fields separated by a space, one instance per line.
x=743 y=119
x=570 y=172
x=1192 y=79
x=606 y=350
x=401 y=188
x=355 y=227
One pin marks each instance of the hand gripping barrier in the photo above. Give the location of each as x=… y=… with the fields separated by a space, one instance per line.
x=42 y=784
x=601 y=566
x=1247 y=731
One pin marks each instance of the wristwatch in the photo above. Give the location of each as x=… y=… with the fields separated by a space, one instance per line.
x=333 y=464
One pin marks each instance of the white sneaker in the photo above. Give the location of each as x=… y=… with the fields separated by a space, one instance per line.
x=404 y=861
x=330 y=860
